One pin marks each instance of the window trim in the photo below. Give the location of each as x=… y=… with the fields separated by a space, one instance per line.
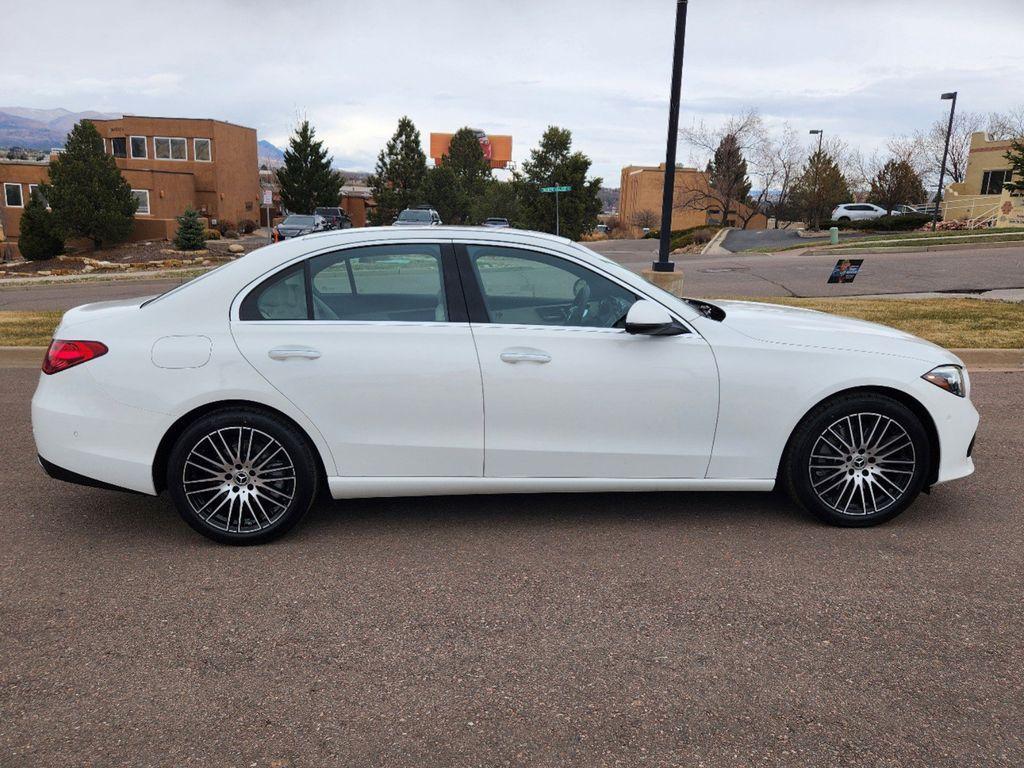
x=170 y=156
x=131 y=148
x=455 y=301
x=195 y=155
x=986 y=176
x=21 y=194
x=149 y=210
x=473 y=291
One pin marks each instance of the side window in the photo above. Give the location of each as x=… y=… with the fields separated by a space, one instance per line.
x=396 y=283
x=282 y=297
x=522 y=287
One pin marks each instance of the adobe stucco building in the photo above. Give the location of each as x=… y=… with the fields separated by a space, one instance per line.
x=640 y=197
x=171 y=164
x=979 y=196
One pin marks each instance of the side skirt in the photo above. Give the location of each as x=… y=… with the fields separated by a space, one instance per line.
x=368 y=487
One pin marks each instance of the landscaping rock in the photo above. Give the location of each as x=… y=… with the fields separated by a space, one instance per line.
x=236 y=248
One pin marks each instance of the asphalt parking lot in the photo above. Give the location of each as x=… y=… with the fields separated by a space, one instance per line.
x=650 y=629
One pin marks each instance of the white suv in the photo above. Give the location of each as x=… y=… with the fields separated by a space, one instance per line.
x=857 y=212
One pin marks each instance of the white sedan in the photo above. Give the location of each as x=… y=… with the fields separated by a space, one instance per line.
x=859 y=212
x=405 y=362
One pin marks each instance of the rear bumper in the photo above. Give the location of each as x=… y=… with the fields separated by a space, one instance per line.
x=67 y=476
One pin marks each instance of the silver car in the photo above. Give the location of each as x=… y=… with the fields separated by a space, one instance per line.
x=418 y=217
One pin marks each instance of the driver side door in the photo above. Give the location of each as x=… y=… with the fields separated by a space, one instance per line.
x=567 y=392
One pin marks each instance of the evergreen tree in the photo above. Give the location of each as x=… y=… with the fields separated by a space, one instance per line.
x=499 y=198
x=397 y=180
x=87 y=193
x=307 y=179
x=895 y=183
x=472 y=170
x=1015 y=156
x=191 y=234
x=553 y=163
x=727 y=177
x=819 y=188
x=38 y=239
x=442 y=191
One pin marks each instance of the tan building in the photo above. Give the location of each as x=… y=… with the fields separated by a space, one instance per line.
x=978 y=197
x=171 y=164
x=640 y=196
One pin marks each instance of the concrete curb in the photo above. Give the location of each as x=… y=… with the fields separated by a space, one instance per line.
x=713 y=247
x=974 y=359
x=841 y=250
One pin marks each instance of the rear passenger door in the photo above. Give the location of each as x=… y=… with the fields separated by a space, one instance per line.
x=373 y=344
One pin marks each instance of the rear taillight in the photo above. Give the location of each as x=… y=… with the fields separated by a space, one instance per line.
x=65 y=354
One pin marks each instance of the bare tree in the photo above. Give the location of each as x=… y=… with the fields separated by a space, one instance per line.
x=645 y=218
x=775 y=164
x=725 y=188
x=933 y=142
x=1007 y=125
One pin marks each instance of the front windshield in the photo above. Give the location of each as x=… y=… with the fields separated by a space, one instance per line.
x=414 y=216
x=299 y=221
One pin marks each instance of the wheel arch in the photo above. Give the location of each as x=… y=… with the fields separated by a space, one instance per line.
x=163 y=451
x=911 y=402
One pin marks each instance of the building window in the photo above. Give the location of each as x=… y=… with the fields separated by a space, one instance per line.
x=142 y=198
x=139 y=149
x=119 y=146
x=12 y=195
x=992 y=181
x=201 y=150
x=33 y=189
x=170 y=149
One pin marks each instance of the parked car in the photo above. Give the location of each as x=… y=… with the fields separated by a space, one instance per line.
x=225 y=391
x=496 y=222
x=418 y=217
x=296 y=225
x=857 y=212
x=334 y=218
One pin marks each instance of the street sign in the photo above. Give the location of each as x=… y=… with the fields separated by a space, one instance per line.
x=268 y=197
x=556 y=189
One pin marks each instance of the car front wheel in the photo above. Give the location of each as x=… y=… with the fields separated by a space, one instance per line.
x=241 y=476
x=857 y=460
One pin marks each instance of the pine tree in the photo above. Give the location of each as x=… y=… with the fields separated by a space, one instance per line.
x=38 y=239
x=397 y=181
x=727 y=176
x=499 y=198
x=87 y=193
x=307 y=179
x=1015 y=156
x=553 y=163
x=895 y=183
x=442 y=191
x=819 y=188
x=191 y=232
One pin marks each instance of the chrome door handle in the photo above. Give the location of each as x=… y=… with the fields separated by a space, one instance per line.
x=525 y=355
x=283 y=353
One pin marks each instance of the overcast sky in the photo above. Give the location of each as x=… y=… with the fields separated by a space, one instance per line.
x=862 y=71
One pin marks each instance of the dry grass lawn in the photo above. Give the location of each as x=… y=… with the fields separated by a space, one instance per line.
x=954 y=323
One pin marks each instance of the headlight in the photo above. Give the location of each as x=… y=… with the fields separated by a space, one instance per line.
x=950 y=378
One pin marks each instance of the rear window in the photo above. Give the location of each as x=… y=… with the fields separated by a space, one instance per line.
x=414 y=216
x=299 y=221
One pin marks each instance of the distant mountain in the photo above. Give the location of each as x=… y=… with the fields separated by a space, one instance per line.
x=40 y=128
x=268 y=153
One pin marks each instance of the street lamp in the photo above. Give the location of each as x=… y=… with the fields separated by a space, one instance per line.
x=817 y=187
x=668 y=194
x=945 y=153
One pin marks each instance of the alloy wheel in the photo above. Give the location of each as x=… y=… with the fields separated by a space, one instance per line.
x=239 y=479
x=862 y=464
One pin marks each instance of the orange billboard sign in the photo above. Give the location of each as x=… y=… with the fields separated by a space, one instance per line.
x=497 y=149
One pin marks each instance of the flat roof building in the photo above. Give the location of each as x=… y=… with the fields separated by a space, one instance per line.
x=978 y=196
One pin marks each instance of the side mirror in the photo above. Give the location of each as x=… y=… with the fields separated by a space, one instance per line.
x=650 y=319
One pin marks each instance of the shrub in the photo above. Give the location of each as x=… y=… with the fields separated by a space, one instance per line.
x=211 y=234
x=38 y=239
x=247 y=226
x=223 y=226
x=904 y=223
x=191 y=234
x=230 y=234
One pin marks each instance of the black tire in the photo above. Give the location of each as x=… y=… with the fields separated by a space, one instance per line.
x=258 y=468
x=843 y=218
x=857 y=460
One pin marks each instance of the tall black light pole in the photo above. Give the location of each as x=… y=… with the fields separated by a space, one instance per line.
x=817 y=173
x=668 y=196
x=945 y=154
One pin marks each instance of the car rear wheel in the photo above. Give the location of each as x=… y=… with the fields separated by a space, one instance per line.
x=857 y=460
x=843 y=218
x=241 y=476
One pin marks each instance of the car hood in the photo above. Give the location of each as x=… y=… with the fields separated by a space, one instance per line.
x=777 y=324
